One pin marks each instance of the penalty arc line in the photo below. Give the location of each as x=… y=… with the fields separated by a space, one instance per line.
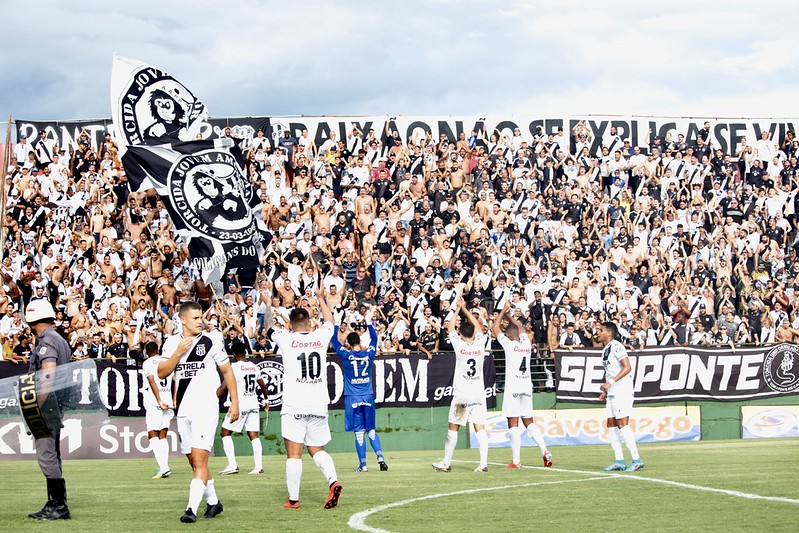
x=357 y=521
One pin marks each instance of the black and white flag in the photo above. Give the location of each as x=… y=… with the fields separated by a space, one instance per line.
x=161 y=128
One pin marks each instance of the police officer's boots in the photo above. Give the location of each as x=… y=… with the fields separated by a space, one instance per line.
x=56 y=506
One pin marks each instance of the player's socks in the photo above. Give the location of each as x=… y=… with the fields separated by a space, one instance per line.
x=293 y=477
x=482 y=442
x=196 y=491
x=210 y=493
x=325 y=464
x=537 y=437
x=629 y=441
x=155 y=446
x=516 y=444
x=257 y=453
x=360 y=447
x=230 y=451
x=374 y=440
x=613 y=437
x=164 y=451
x=449 y=447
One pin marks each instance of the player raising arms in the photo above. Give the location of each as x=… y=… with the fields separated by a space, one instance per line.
x=247 y=376
x=517 y=401
x=468 y=387
x=617 y=391
x=359 y=398
x=303 y=418
x=158 y=409
x=194 y=358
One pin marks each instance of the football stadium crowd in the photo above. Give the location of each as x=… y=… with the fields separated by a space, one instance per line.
x=677 y=242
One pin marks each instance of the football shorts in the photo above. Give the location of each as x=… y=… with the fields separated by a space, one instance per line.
x=197 y=432
x=619 y=406
x=248 y=421
x=519 y=404
x=311 y=430
x=462 y=411
x=158 y=419
x=359 y=413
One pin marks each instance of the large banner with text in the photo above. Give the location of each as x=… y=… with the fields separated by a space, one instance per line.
x=572 y=427
x=611 y=130
x=686 y=373
x=399 y=381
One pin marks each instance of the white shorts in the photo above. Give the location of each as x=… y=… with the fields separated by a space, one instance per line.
x=197 y=432
x=517 y=405
x=620 y=406
x=248 y=421
x=311 y=430
x=463 y=411
x=158 y=419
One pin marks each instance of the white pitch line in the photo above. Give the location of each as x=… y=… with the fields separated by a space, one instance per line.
x=357 y=520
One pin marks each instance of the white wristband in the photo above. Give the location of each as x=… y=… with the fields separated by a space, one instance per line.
x=611 y=381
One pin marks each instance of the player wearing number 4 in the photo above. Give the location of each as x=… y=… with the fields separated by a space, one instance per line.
x=247 y=375
x=359 y=398
x=303 y=418
x=158 y=409
x=468 y=387
x=518 y=399
x=617 y=391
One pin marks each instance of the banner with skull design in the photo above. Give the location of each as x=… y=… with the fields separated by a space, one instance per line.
x=215 y=208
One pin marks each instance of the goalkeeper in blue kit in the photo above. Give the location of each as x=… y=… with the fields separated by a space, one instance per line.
x=359 y=398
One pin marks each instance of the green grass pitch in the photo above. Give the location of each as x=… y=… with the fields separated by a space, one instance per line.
x=118 y=495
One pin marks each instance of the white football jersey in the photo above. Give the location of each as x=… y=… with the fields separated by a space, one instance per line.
x=150 y=368
x=612 y=356
x=247 y=375
x=304 y=369
x=468 y=383
x=517 y=364
x=196 y=376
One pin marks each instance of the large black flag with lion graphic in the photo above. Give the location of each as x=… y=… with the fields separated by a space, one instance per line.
x=160 y=126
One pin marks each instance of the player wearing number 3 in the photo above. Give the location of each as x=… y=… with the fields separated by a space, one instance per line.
x=468 y=387
x=303 y=418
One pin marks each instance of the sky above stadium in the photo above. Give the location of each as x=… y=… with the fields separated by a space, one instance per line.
x=436 y=57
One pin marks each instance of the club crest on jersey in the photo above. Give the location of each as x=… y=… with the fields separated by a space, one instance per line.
x=212 y=196
x=157 y=106
x=200 y=350
x=272 y=374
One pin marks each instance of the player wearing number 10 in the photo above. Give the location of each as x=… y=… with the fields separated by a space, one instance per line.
x=303 y=418
x=359 y=398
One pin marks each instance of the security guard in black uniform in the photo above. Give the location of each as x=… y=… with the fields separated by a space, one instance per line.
x=51 y=350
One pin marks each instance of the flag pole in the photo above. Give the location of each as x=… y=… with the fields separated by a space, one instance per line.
x=3 y=172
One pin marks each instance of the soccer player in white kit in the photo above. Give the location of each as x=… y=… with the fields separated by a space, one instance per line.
x=617 y=391
x=158 y=408
x=194 y=358
x=247 y=377
x=517 y=401
x=468 y=387
x=303 y=417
